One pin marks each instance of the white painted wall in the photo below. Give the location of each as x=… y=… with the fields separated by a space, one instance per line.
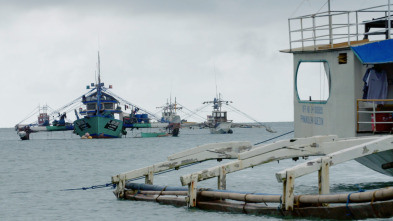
x=338 y=115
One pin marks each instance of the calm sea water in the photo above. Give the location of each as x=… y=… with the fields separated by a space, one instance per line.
x=35 y=173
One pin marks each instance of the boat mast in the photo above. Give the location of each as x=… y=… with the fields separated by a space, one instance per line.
x=99 y=87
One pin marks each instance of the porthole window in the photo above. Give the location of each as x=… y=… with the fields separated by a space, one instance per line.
x=313 y=81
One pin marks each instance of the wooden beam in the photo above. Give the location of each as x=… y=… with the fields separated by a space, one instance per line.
x=377 y=145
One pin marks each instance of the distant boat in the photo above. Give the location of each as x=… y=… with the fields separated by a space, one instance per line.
x=43 y=124
x=218 y=122
x=170 y=116
x=100 y=107
x=154 y=134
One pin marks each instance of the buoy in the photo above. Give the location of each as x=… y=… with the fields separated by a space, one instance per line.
x=86 y=136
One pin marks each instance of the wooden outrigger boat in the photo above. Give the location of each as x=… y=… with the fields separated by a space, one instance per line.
x=339 y=106
x=43 y=124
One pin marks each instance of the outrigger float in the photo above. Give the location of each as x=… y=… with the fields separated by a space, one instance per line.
x=341 y=105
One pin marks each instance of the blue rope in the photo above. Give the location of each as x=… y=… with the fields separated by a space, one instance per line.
x=347 y=205
x=93 y=187
x=349 y=200
x=279 y=205
x=274 y=137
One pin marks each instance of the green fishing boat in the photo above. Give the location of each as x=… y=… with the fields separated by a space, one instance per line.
x=98 y=127
x=99 y=113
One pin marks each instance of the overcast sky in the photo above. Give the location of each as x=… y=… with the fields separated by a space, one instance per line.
x=151 y=49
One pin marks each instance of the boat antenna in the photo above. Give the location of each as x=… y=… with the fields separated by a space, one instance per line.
x=98 y=87
x=215 y=78
x=99 y=71
x=175 y=104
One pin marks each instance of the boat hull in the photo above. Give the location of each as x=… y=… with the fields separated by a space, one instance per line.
x=154 y=134
x=222 y=128
x=381 y=162
x=99 y=127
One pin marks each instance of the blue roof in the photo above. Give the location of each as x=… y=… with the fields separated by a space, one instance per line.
x=375 y=53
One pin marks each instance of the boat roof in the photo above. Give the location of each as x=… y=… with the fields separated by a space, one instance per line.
x=327 y=47
x=109 y=97
x=338 y=30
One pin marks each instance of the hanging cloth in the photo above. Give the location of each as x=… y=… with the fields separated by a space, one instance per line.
x=377 y=85
x=365 y=86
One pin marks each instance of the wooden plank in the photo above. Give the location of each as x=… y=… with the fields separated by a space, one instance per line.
x=258 y=150
x=323 y=176
x=240 y=145
x=380 y=144
x=343 y=44
x=285 y=152
x=228 y=150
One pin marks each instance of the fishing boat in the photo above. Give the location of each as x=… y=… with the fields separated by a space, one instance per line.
x=170 y=116
x=99 y=113
x=347 y=116
x=43 y=124
x=218 y=122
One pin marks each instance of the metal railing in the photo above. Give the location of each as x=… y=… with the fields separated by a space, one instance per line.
x=365 y=110
x=328 y=28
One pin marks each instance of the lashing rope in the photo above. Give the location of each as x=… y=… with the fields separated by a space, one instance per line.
x=349 y=200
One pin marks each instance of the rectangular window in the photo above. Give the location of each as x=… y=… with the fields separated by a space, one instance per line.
x=91 y=106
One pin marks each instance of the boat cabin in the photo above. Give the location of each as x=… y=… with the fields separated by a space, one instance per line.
x=169 y=114
x=108 y=104
x=219 y=116
x=343 y=73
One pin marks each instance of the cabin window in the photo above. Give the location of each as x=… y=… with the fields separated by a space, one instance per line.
x=313 y=81
x=108 y=106
x=91 y=106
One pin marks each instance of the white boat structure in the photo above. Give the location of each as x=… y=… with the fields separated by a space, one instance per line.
x=218 y=121
x=342 y=119
x=170 y=116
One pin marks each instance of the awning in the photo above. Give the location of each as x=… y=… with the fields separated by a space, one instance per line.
x=375 y=53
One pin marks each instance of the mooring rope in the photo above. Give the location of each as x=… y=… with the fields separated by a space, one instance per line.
x=274 y=137
x=93 y=187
